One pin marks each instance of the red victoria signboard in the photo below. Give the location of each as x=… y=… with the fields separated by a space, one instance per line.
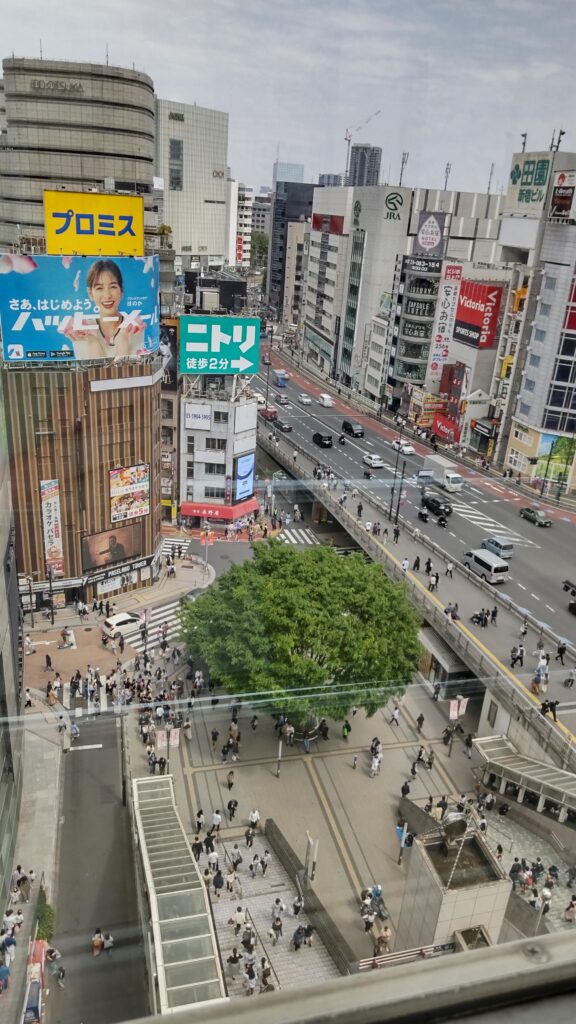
x=446 y=429
x=477 y=314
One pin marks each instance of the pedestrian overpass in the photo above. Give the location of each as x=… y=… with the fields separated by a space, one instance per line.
x=187 y=969
x=550 y=788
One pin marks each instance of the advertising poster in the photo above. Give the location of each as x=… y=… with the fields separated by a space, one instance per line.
x=169 y=351
x=197 y=416
x=562 y=206
x=444 y=322
x=477 y=314
x=244 y=476
x=52 y=526
x=429 y=239
x=55 y=308
x=555 y=457
x=92 y=223
x=110 y=546
x=129 y=492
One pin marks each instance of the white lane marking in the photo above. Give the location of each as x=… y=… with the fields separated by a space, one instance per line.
x=87 y=746
x=535 y=596
x=550 y=609
x=451 y=534
x=522 y=587
x=476 y=491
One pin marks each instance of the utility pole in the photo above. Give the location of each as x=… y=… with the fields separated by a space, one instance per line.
x=490 y=178
x=402 y=167
x=524 y=137
x=447 y=175
x=400 y=492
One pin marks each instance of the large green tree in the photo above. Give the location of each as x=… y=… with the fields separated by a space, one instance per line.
x=258 y=249
x=313 y=632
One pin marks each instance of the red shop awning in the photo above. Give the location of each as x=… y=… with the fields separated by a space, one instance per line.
x=205 y=510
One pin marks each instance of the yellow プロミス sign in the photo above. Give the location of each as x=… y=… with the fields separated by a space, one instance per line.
x=93 y=224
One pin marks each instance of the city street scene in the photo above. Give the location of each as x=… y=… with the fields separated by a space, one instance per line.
x=288 y=493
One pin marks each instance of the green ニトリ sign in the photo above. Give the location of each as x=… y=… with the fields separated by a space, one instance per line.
x=219 y=344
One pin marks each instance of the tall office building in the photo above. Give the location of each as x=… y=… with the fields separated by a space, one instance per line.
x=364 y=165
x=74 y=126
x=331 y=180
x=192 y=158
x=286 y=172
x=261 y=208
x=244 y=225
x=292 y=202
x=297 y=249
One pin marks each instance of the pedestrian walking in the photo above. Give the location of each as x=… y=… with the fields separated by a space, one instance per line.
x=560 y=652
x=236 y=857
x=233 y=962
x=405 y=790
x=297 y=905
x=238 y=920
x=405 y=564
x=517 y=655
x=468 y=745
x=216 y=821
x=254 y=865
x=346 y=729
x=232 y=807
x=419 y=722
x=494 y=616
x=249 y=836
x=265 y=861
x=396 y=534
x=254 y=818
x=298 y=937
x=108 y=945
x=230 y=780
x=553 y=706
x=254 y=723
x=416 y=564
x=48 y=663
x=97 y=942
x=199 y=820
x=214 y=737
x=218 y=883
x=436 y=692
x=276 y=931
x=395 y=719
x=449 y=569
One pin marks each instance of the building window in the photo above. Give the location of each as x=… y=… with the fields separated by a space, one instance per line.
x=214 y=492
x=190 y=444
x=525 y=408
x=176 y=165
x=545 y=308
x=522 y=435
x=517 y=460
x=167 y=436
x=166 y=409
x=189 y=494
x=214 y=469
x=534 y=361
x=215 y=444
x=529 y=385
x=220 y=417
x=550 y=284
x=190 y=469
x=539 y=335
x=569 y=346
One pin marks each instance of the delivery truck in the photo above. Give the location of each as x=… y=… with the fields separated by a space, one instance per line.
x=440 y=471
x=281 y=378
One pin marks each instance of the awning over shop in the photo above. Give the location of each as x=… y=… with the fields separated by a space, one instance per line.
x=228 y=513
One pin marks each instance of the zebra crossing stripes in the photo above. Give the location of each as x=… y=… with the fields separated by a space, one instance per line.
x=298 y=536
x=169 y=613
x=170 y=545
x=479 y=518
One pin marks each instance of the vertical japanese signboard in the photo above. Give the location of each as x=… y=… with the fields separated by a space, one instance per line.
x=52 y=527
x=444 y=322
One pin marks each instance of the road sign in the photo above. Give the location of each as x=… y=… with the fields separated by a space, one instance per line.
x=219 y=344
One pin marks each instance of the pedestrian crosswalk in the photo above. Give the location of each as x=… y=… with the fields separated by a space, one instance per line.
x=170 y=546
x=169 y=613
x=484 y=522
x=293 y=535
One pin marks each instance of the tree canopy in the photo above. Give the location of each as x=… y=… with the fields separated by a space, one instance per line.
x=312 y=632
x=258 y=248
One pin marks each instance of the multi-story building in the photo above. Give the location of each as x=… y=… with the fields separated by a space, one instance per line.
x=11 y=732
x=354 y=238
x=364 y=165
x=292 y=202
x=331 y=180
x=539 y=224
x=297 y=250
x=192 y=159
x=244 y=225
x=72 y=126
x=261 y=209
x=217 y=450
x=286 y=172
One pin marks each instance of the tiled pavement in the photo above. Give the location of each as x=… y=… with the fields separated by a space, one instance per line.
x=310 y=965
x=517 y=841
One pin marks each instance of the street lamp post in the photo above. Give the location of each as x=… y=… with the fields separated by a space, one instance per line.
x=548 y=460
x=395 y=472
x=51 y=593
x=267 y=385
x=400 y=492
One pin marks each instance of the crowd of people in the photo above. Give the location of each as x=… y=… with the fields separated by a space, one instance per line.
x=20 y=893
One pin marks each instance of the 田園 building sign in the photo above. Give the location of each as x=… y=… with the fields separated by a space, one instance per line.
x=93 y=223
x=529 y=176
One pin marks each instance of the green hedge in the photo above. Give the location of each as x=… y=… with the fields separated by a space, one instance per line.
x=45 y=914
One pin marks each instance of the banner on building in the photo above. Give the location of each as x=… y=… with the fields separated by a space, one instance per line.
x=52 y=527
x=562 y=204
x=169 y=351
x=421 y=265
x=129 y=492
x=244 y=476
x=93 y=224
x=477 y=314
x=429 y=240
x=56 y=308
x=111 y=546
x=443 y=321
x=446 y=429
x=197 y=417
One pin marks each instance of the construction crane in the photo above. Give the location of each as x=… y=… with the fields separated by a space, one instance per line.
x=348 y=135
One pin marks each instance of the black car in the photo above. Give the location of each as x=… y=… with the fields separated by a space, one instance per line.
x=284 y=427
x=353 y=428
x=322 y=440
x=436 y=504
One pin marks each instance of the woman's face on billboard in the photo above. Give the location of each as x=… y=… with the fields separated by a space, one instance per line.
x=106 y=293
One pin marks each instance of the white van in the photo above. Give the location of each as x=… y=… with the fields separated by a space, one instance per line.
x=488 y=566
x=500 y=546
x=326 y=401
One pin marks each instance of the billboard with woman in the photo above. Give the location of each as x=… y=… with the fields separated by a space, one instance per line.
x=56 y=308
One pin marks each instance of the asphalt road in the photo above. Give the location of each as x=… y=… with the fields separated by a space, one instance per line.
x=486 y=507
x=96 y=886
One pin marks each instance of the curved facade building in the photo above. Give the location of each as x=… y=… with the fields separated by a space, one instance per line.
x=72 y=126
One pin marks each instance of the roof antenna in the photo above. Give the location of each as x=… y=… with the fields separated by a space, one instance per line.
x=524 y=136
x=40 y=49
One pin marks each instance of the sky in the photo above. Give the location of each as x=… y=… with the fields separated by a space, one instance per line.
x=454 y=81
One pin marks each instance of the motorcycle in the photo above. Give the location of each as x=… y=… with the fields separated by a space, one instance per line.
x=423 y=514
x=442 y=521
x=476 y=619
x=341 y=439
x=368 y=474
